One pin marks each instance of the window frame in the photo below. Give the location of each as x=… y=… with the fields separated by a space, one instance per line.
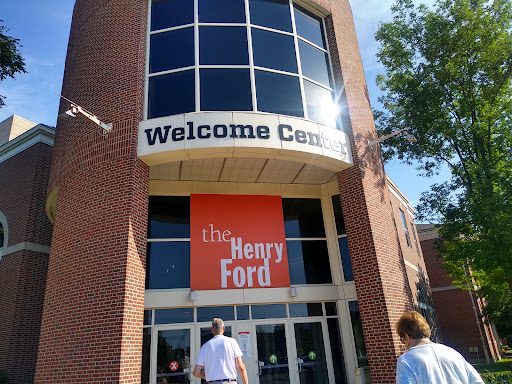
x=5 y=235
x=252 y=67
x=406 y=229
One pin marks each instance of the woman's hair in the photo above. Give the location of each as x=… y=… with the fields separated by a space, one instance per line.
x=414 y=325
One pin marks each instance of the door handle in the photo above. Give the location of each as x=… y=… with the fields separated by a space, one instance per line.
x=299 y=364
x=260 y=364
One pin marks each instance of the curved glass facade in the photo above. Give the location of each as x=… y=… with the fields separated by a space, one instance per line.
x=253 y=55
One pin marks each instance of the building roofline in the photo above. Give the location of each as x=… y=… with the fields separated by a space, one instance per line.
x=39 y=134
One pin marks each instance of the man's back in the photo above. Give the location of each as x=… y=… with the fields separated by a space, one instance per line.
x=435 y=364
x=218 y=357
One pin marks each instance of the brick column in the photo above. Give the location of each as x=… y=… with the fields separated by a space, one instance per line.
x=381 y=281
x=91 y=330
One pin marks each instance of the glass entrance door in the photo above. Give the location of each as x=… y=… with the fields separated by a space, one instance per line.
x=272 y=354
x=173 y=350
x=310 y=353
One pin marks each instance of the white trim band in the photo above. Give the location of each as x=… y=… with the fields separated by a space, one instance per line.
x=26 y=246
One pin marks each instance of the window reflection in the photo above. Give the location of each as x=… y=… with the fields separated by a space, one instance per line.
x=169 y=217
x=314 y=63
x=225 y=90
x=223 y=46
x=171 y=13
x=309 y=26
x=221 y=11
x=319 y=104
x=171 y=94
x=271 y=13
x=274 y=50
x=346 y=263
x=278 y=94
x=308 y=262
x=303 y=218
x=171 y=50
x=168 y=265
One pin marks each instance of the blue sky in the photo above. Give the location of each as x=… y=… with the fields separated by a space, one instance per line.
x=43 y=30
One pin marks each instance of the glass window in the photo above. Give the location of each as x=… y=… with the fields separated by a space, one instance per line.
x=171 y=94
x=168 y=265
x=147 y=317
x=225 y=90
x=309 y=26
x=226 y=313
x=413 y=230
x=271 y=13
x=345 y=259
x=221 y=11
x=337 y=350
x=357 y=329
x=331 y=309
x=308 y=262
x=278 y=94
x=171 y=50
x=274 y=50
x=174 y=315
x=406 y=230
x=303 y=218
x=319 y=104
x=171 y=13
x=242 y=312
x=305 y=309
x=269 y=311
x=223 y=46
x=338 y=215
x=314 y=63
x=146 y=355
x=169 y=217
x=2 y=235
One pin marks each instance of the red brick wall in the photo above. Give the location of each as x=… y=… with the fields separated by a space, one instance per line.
x=23 y=180
x=93 y=309
x=380 y=277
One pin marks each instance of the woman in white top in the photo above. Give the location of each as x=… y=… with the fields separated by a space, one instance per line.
x=428 y=362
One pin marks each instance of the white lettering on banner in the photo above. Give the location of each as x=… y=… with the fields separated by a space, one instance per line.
x=239 y=251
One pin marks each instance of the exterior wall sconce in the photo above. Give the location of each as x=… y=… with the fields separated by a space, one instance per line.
x=293 y=291
x=192 y=296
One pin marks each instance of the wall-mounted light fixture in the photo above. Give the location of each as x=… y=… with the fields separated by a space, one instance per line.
x=410 y=138
x=75 y=108
x=192 y=296
x=293 y=291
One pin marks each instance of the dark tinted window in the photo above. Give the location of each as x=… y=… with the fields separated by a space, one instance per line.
x=269 y=311
x=171 y=50
x=319 y=104
x=147 y=317
x=308 y=262
x=146 y=355
x=314 y=63
x=171 y=13
x=357 y=329
x=168 y=265
x=2 y=235
x=221 y=11
x=174 y=315
x=223 y=46
x=278 y=94
x=225 y=90
x=169 y=217
x=336 y=350
x=305 y=309
x=345 y=259
x=207 y=335
x=271 y=13
x=303 y=218
x=242 y=312
x=226 y=313
x=171 y=94
x=338 y=215
x=309 y=26
x=274 y=50
x=330 y=309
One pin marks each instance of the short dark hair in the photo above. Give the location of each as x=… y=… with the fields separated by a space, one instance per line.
x=414 y=325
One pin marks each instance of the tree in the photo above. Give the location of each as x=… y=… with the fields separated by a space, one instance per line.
x=11 y=61
x=447 y=80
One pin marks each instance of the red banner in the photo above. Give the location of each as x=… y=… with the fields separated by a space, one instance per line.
x=237 y=241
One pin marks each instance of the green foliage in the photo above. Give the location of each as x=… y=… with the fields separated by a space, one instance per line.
x=11 y=61
x=501 y=367
x=448 y=81
x=496 y=378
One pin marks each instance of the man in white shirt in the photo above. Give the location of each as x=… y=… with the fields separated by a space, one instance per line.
x=220 y=358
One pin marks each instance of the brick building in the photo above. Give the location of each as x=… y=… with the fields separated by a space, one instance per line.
x=25 y=235
x=459 y=312
x=236 y=182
